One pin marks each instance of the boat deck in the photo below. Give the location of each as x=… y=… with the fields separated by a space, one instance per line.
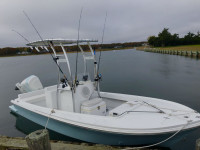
x=124 y=113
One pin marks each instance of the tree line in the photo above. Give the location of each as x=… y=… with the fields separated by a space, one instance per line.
x=10 y=51
x=165 y=38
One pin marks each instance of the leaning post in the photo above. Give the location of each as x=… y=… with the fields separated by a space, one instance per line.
x=38 y=140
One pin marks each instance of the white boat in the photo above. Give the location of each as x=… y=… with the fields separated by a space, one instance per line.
x=76 y=108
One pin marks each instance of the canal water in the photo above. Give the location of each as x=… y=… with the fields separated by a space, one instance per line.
x=170 y=77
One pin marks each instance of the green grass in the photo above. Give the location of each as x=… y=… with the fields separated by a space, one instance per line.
x=175 y=48
x=182 y=47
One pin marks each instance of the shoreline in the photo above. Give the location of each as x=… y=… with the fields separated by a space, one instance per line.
x=46 y=53
x=172 y=48
x=192 y=51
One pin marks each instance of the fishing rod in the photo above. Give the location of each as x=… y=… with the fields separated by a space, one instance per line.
x=55 y=59
x=101 y=44
x=79 y=24
x=26 y=40
x=21 y=35
x=98 y=76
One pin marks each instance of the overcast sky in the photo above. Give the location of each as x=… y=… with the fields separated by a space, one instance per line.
x=127 y=21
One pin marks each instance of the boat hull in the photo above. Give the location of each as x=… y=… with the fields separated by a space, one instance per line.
x=95 y=136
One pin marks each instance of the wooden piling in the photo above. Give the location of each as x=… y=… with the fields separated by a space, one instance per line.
x=38 y=140
x=197 y=144
x=186 y=53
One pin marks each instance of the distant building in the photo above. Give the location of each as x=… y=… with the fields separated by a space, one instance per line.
x=145 y=44
x=118 y=47
x=23 y=53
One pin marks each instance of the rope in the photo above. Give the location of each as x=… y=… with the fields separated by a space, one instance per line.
x=132 y=148
x=52 y=111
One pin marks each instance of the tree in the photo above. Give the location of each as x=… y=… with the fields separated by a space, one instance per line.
x=188 y=39
x=165 y=37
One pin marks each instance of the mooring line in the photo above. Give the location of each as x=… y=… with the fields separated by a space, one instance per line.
x=52 y=111
x=132 y=148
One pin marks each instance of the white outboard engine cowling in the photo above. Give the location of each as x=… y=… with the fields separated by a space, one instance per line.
x=29 y=84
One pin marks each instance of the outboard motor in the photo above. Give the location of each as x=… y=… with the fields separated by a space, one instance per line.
x=29 y=84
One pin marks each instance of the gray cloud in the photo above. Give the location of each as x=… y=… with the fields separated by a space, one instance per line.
x=128 y=20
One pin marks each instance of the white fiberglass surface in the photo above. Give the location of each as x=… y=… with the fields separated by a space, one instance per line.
x=112 y=103
x=40 y=102
x=127 y=112
x=130 y=122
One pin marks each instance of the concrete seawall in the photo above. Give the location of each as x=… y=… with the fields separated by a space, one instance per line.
x=19 y=143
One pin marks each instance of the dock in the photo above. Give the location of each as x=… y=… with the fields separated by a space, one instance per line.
x=19 y=143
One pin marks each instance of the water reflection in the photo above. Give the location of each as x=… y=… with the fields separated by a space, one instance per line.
x=171 y=77
x=26 y=126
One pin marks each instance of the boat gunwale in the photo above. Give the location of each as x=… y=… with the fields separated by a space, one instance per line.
x=170 y=129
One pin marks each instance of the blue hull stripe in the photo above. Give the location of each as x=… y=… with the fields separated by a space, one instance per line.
x=95 y=136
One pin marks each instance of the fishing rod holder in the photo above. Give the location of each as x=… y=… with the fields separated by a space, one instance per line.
x=98 y=77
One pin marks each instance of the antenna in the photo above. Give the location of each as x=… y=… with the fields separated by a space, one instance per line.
x=79 y=24
x=45 y=44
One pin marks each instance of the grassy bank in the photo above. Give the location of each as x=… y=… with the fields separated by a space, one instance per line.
x=185 y=50
x=175 y=48
x=182 y=48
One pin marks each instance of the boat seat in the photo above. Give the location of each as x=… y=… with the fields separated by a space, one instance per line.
x=94 y=106
x=92 y=102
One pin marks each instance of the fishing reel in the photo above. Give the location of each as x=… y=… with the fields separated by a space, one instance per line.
x=77 y=82
x=55 y=58
x=98 y=77
x=64 y=82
